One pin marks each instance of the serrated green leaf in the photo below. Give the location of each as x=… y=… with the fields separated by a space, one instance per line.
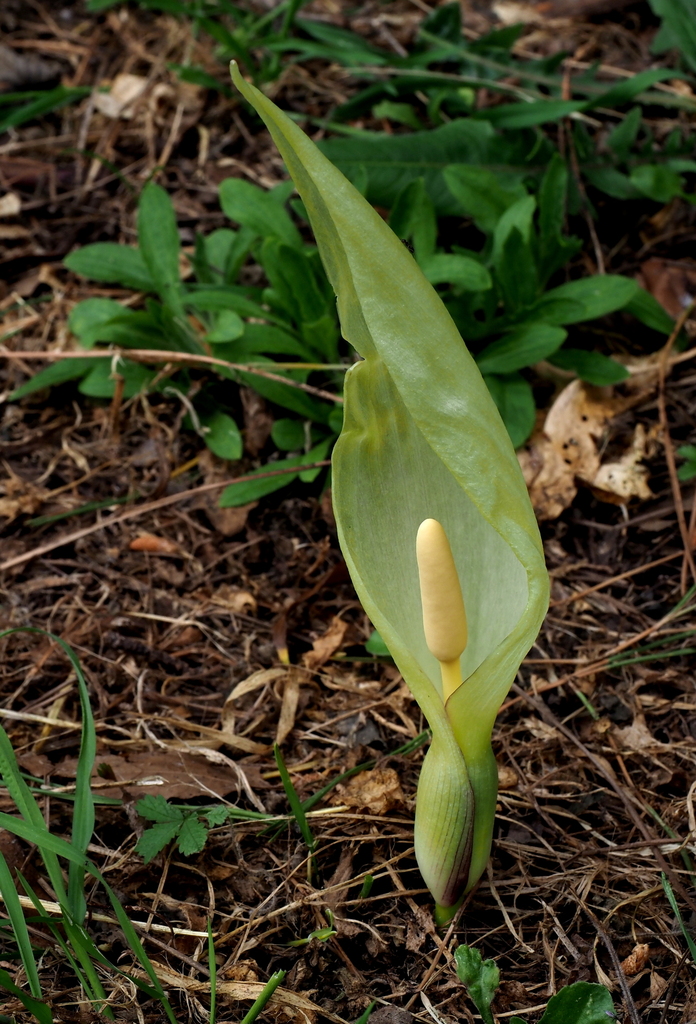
x=216 y=816
x=192 y=837
x=153 y=840
x=156 y=808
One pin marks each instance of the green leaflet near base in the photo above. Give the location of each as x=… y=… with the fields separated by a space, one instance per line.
x=422 y=438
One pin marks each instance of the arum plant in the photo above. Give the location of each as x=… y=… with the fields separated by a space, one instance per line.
x=423 y=453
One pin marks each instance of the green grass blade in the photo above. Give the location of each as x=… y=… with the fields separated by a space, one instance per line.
x=294 y=801
x=268 y=990
x=671 y=899
x=19 y=927
x=40 y=1010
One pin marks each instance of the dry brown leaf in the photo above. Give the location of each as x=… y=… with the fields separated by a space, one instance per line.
x=174 y=774
x=154 y=545
x=326 y=645
x=507 y=778
x=228 y=521
x=282 y=998
x=122 y=97
x=637 y=736
x=618 y=482
x=234 y=599
x=671 y=282
x=10 y=204
x=636 y=959
x=288 y=707
x=566 y=450
x=376 y=791
x=22 y=497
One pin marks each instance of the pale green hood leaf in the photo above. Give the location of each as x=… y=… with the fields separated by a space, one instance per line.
x=422 y=439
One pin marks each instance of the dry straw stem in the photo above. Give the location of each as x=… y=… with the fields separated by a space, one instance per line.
x=146 y=355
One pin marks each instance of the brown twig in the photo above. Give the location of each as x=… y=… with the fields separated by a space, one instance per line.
x=146 y=355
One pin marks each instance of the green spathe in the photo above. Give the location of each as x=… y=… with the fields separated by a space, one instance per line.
x=423 y=439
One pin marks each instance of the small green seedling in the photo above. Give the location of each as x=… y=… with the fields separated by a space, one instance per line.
x=320 y=934
x=580 y=1003
x=187 y=827
x=422 y=440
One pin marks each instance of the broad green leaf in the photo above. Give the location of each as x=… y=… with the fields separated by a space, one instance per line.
x=463 y=272
x=580 y=1003
x=250 y=206
x=518 y=279
x=678 y=29
x=401 y=113
x=159 y=243
x=56 y=373
x=527 y=115
x=113 y=264
x=481 y=195
x=252 y=490
x=481 y=978
x=687 y=471
x=592 y=367
x=522 y=347
x=519 y=216
x=595 y=296
x=392 y=161
x=614 y=183
x=554 y=249
x=413 y=216
x=623 y=137
x=87 y=317
x=422 y=438
x=222 y=436
x=376 y=645
x=657 y=182
x=228 y=327
x=513 y=396
x=288 y=435
x=100 y=382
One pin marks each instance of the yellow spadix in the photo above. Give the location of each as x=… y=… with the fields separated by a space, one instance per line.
x=444 y=615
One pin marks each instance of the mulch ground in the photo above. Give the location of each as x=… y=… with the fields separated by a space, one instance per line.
x=232 y=630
